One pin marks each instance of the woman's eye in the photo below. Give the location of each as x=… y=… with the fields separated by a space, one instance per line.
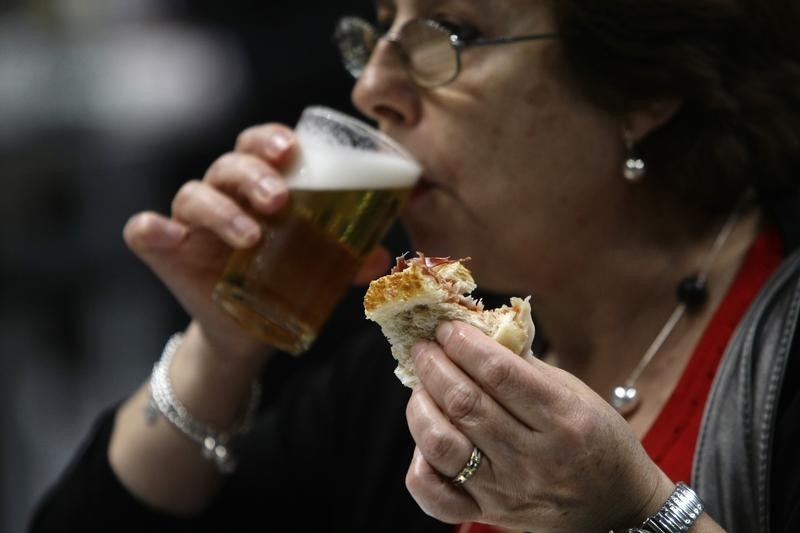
x=463 y=32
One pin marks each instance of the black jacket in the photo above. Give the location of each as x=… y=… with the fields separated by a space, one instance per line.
x=329 y=452
x=331 y=447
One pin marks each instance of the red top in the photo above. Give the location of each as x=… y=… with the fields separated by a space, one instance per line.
x=671 y=440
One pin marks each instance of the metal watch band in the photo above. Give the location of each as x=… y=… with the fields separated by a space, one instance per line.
x=681 y=510
x=677 y=515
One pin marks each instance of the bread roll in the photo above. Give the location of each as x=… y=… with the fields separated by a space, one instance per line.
x=420 y=293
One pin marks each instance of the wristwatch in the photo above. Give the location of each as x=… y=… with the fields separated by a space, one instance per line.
x=681 y=510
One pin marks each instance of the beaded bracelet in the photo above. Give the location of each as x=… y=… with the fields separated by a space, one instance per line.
x=162 y=399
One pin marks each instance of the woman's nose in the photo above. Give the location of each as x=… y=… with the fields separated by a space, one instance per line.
x=384 y=91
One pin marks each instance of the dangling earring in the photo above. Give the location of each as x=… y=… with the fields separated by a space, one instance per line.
x=634 y=168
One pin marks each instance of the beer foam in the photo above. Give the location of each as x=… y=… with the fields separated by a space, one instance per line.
x=321 y=165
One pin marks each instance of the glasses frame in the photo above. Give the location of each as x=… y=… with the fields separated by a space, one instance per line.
x=456 y=43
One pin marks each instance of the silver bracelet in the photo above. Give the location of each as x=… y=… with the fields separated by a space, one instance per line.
x=162 y=399
x=681 y=510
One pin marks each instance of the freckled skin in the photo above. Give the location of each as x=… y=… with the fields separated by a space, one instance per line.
x=501 y=142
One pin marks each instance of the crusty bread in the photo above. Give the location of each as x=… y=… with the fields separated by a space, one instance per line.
x=420 y=293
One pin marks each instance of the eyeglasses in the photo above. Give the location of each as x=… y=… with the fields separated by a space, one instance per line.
x=430 y=50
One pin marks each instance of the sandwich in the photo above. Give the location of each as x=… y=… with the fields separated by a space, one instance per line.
x=419 y=293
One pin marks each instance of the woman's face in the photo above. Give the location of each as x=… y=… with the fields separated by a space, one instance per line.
x=516 y=161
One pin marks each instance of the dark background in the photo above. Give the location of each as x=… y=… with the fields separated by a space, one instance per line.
x=106 y=107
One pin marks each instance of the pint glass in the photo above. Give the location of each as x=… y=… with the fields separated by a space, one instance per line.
x=346 y=186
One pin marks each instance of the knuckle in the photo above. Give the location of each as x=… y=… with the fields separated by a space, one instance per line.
x=184 y=195
x=220 y=164
x=246 y=136
x=579 y=429
x=248 y=165
x=411 y=408
x=461 y=401
x=418 y=489
x=437 y=444
x=257 y=137
x=430 y=500
x=498 y=373
x=412 y=480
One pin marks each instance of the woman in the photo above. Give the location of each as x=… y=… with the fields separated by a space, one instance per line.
x=595 y=155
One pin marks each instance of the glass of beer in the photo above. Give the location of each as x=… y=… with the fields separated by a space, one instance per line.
x=346 y=187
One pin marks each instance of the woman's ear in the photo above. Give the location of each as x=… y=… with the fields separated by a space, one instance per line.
x=642 y=120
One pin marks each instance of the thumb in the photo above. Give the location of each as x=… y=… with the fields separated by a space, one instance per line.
x=375 y=265
x=151 y=231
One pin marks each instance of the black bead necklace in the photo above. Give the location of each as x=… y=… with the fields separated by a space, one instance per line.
x=691 y=293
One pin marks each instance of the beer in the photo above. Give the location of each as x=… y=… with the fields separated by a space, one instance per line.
x=342 y=202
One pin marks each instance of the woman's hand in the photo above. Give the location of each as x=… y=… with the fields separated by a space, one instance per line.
x=211 y=218
x=556 y=456
x=213 y=368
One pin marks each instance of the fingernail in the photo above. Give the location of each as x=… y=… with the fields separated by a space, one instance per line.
x=277 y=144
x=174 y=233
x=270 y=187
x=171 y=235
x=245 y=229
x=443 y=332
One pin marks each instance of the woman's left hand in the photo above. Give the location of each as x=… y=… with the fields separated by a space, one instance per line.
x=556 y=456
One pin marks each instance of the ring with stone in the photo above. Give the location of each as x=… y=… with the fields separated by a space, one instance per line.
x=470 y=468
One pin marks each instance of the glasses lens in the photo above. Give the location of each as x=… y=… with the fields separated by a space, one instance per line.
x=431 y=58
x=356 y=39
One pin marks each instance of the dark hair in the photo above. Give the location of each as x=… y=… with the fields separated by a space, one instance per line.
x=735 y=64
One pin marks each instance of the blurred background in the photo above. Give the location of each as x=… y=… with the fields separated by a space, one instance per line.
x=106 y=107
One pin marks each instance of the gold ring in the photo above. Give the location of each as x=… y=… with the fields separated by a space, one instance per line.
x=472 y=465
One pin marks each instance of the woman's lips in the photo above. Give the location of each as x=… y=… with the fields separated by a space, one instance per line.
x=422 y=187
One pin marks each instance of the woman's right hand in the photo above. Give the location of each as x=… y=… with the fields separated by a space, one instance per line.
x=211 y=218
x=188 y=251
x=213 y=368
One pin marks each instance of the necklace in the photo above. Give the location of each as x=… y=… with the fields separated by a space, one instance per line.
x=691 y=293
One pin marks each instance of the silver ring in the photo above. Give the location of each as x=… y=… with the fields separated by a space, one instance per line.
x=470 y=468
